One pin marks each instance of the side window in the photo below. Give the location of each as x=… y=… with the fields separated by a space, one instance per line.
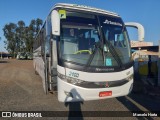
x=42 y=37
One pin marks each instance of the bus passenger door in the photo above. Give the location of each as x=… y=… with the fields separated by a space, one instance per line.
x=53 y=65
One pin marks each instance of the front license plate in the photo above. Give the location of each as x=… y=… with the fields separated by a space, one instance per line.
x=105 y=93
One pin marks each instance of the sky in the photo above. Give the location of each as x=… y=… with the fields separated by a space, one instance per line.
x=145 y=12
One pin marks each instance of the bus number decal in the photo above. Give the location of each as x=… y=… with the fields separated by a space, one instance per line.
x=73 y=74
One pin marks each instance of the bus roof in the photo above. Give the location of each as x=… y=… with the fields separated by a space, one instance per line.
x=80 y=7
x=84 y=8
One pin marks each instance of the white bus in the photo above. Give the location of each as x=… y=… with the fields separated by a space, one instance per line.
x=85 y=53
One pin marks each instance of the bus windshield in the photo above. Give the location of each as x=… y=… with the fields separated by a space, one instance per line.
x=82 y=42
x=116 y=38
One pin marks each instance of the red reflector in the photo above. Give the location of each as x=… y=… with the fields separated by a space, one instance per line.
x=105 y=93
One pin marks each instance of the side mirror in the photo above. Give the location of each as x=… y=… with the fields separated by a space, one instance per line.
x=55 y=20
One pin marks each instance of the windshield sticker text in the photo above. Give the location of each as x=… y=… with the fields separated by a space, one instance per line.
x=104 y=69
x=112 y=23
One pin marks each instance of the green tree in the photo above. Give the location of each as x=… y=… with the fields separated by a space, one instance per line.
x=9 y=33
x=29 y=39
x=31 y=33
x=19 y=37
x=39 y=22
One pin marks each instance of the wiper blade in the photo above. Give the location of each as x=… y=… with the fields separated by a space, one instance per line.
x=97 y=46
x=113 y=51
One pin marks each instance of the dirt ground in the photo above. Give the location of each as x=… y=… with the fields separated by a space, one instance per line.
x=21 y=90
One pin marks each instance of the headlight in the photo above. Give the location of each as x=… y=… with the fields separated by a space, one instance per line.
x=61 y=76
x=73 y=80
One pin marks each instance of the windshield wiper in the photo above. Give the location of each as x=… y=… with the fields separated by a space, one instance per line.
x=112 y=50
x=98 y=46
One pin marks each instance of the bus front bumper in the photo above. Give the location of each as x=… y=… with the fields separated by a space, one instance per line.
x=71 y=93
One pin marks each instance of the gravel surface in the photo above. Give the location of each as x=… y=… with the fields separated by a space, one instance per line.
x=21 y=90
